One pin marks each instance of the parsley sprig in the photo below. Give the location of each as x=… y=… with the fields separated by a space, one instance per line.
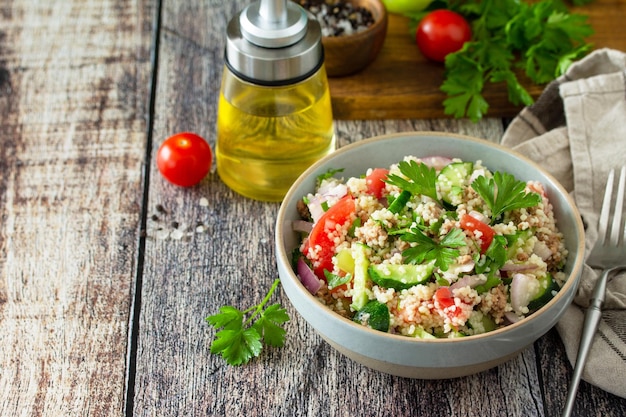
x=420 y=179
x=427 y=249
x=503 y=192
x=239 y=340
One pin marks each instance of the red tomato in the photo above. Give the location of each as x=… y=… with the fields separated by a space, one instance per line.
x=339 y=214
x=443 y=299
x=184 y=159
x=442 y=32
x=375 y=182
x=473 y=225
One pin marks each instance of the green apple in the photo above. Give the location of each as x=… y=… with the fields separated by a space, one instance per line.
x=406 y=6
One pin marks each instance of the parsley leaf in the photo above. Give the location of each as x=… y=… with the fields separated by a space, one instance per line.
x=334 y=280
x=269 y=325
x=443 y=253
x=239 y=340
x=491 y=262
x=328 y=175
x=503 y=193
x=420 y=179
x=237 y=346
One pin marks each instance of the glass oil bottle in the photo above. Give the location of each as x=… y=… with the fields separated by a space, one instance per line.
x=274 y=112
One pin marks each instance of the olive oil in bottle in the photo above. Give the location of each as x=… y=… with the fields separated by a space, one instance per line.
x=274 y=113
x=267 y=136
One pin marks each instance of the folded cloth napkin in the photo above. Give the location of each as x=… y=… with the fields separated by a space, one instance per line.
x=576 y=130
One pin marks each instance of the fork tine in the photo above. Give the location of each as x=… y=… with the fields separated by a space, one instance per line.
x=603 y=223
x=616 y=229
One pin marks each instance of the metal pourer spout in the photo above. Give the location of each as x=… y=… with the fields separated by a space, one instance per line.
x=274 y=12
x=273 y=23
x=274 y=42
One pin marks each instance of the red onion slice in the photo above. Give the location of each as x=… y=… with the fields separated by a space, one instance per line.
x=437 y=162
x=308 y=277
x=471 y=281
x=479 y=216
x=301 y=226
x=523 y=288
x=511 y=317
x=513 y=267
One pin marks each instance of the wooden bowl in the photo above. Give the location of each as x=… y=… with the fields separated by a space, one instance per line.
x=347 y=54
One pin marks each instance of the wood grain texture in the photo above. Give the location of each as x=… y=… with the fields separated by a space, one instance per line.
x=74 y=105
x=73 y=88
x=401 y=83
x=556 y=373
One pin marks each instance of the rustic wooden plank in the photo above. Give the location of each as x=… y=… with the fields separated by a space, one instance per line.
x=74 y=78
x=556 y=372
x=401 y=83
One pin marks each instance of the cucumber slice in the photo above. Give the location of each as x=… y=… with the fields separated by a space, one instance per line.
x=420 y=333
x=451 y=180
x=359 y=284
x=374 y=315
x=548 y=288
x=481 y=323
x=400 y=277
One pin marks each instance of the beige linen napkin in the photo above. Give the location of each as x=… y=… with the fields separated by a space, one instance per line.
x=577 y=131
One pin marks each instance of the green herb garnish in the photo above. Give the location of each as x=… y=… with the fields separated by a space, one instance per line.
x=420 y=179
x=503 y=193
x=491 y=262
x=334 y=280
x=427 y=249
x=239 y=340
x=328 y=175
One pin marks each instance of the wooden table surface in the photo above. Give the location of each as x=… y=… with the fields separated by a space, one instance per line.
x=400 y=74
x=102 y=308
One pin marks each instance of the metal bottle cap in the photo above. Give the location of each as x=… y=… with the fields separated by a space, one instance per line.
x=274 y=42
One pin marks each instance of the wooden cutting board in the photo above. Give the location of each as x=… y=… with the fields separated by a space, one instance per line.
x=402 y=84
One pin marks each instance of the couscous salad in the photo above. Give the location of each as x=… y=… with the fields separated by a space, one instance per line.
x=430 y=247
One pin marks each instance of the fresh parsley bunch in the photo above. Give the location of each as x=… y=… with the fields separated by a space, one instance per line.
x=540 y=39
x=243 y=333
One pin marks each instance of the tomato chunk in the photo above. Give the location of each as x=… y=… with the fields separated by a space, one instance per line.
x=444 y=302
x=376 y=182
x=474 y=225
x=321 y=238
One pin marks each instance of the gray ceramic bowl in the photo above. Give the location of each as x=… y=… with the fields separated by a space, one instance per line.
x=418 y=358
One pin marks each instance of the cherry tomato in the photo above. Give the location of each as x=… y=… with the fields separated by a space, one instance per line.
x=321 y=235
x=474 y=225
x=442 y=32
x=184 y=159
x=375 y=182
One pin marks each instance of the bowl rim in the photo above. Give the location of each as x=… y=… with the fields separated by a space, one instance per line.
x=284 y=258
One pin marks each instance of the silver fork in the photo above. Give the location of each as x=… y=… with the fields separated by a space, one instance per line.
x=608 y=253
